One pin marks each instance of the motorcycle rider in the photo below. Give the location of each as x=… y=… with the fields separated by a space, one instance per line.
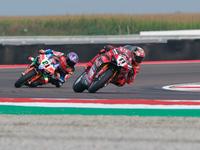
x=137 y=54
x=66 y=66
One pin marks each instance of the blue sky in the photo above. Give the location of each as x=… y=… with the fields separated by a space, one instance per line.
x=63 y=7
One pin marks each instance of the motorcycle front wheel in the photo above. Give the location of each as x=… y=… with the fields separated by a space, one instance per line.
x=101 y=81
x=25 y=78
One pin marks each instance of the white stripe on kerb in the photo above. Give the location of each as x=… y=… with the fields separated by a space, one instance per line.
x=90 y=105
x=179 y=87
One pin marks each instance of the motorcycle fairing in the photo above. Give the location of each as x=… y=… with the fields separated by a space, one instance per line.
x=44 y=64
x=103 y=59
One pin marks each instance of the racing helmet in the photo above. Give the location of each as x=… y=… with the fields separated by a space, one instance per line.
x=71 y=59
x=139 y=54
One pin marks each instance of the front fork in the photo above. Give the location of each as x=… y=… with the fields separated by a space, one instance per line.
x=105 y=67
x=112 y=76
x=46 y=79
x=37 y=76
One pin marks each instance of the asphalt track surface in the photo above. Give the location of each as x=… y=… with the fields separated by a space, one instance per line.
x=57 y=132
x=147 y=85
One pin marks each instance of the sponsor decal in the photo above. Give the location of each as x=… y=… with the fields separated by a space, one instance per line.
x=98 y=62
x=55 y=65
x=114 y=52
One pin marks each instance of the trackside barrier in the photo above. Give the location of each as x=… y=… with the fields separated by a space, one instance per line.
x=171 y=33
x=186 y=49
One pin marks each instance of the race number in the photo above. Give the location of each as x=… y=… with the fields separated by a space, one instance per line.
x=121 y=60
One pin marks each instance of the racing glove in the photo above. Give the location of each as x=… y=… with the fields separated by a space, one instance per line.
x=88 y=66
x=41 y=51
x=45 y=51
x=106 y=48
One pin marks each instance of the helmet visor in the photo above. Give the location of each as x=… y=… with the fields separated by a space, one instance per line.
x=138 y=59
x=129 y=47
x=69 y=63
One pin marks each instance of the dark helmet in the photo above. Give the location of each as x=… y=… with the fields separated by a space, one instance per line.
x=138 y=53
x=72 y=59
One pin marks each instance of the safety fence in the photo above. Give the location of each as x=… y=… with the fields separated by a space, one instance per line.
x=183 y=49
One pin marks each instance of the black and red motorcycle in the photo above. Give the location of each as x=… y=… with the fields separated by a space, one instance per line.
x=107 y=68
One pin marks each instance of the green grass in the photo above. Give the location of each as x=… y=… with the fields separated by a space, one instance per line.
x=96 y=24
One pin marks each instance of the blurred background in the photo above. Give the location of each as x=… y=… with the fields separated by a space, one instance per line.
x=86 y=26
x=93 y=17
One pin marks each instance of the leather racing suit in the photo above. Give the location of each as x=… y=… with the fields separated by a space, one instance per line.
x=128 y=78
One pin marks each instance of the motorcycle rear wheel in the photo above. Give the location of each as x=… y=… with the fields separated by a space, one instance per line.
x=78 y=86
x=96 y=85
x=25 y=78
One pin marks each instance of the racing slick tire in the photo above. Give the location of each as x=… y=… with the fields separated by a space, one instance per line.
x=21 y=81
x=100 y=82
x=78 y=86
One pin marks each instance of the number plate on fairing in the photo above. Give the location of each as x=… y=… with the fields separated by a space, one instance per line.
x=121 y=60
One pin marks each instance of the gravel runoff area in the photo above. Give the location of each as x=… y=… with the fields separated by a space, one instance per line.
x=55 y=132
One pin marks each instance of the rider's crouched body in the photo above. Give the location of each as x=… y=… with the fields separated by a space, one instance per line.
x=137 y=55
x=65 y=70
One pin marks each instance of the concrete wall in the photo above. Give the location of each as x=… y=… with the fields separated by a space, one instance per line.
x=172 y=50
x=171 y=33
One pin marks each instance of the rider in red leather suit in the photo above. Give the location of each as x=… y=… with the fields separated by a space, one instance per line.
x=137 y=55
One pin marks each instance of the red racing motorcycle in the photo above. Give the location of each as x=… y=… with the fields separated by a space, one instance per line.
x=106 y=69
